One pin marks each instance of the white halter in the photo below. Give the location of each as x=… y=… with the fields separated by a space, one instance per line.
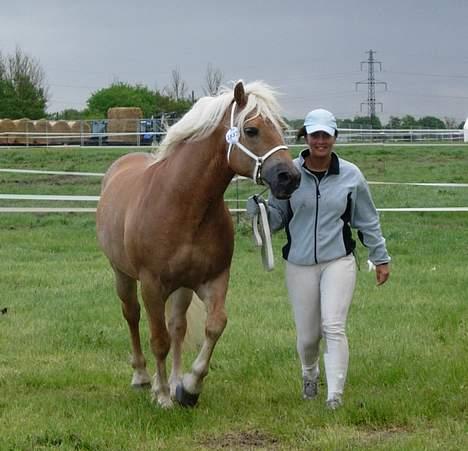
x=232 y=137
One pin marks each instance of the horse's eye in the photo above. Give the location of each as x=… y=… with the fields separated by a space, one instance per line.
x=251 y=131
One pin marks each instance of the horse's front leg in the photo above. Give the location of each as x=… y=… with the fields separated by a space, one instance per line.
x=154 y=297
x=213 y=294
x=176 y=309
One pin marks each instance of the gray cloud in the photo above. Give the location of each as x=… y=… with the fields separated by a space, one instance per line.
x=310 y=50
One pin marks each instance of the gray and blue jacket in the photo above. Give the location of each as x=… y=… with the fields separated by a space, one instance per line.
x=320 y=214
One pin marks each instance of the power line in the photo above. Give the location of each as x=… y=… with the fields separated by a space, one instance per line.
x=371 y=82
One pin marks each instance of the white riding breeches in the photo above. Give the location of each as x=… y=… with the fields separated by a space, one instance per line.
x=321 y=295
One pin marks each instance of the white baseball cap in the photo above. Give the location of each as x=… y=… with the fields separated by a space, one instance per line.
x=320 y=120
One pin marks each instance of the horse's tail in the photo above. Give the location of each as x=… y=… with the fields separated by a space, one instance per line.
x=196 y=318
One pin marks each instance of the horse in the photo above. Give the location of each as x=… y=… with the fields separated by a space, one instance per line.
x=162 y=221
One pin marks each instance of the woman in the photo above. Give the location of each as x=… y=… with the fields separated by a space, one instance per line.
x=320 y=266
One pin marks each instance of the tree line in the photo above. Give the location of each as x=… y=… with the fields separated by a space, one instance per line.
x=24 y=93
x=394 y=122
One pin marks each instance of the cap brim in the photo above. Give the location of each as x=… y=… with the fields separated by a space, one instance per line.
x=320 y=128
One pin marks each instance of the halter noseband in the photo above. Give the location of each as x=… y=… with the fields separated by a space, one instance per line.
x=232 y=138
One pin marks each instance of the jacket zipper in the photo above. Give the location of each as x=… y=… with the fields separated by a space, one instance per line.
x=317 y=197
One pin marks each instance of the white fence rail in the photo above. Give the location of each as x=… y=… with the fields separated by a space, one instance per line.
x=152 y=138
x=354 y=135
x=83 y=198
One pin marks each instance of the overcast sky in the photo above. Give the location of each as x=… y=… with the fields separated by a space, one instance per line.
x=310 y=50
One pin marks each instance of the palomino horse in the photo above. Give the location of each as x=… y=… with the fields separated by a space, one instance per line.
x=162 y=220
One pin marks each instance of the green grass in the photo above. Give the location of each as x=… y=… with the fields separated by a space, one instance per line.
x=379 y=163
x=64 y=347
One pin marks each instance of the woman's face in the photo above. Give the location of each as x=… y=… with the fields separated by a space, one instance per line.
x=320 y=143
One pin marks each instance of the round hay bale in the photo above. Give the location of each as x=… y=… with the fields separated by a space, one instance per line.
x=41 y=129
x=79 y=129
x=22 y=128
x=6 y=128
x=124 y=120
x=60 y=129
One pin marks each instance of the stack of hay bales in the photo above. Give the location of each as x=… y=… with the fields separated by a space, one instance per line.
x=79 y=129
x=124 y=120
x=6 y=127
x=59 y=129
x=41 y=128
x=22 y=127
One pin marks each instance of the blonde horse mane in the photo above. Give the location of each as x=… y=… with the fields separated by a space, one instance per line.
x=207 y=113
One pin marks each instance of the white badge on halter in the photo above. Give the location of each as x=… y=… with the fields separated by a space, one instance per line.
x=233 y=135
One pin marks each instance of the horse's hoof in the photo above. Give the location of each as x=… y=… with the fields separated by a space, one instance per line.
x=184 y=398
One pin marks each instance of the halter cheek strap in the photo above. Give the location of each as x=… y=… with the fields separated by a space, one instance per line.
x=232 y=138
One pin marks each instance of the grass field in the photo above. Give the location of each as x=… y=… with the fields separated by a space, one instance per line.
x=64 y=347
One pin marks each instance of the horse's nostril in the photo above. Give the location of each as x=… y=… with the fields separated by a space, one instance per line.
x=284 y=177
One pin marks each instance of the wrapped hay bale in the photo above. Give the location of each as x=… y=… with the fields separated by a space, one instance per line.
x=6 y=127
x=22 y=128
x=124 y=120
x=79 y=130
x=59 y=131
x=41 y=129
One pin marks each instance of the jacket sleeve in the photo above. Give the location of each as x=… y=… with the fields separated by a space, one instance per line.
x=365 y=218
x=279 y=213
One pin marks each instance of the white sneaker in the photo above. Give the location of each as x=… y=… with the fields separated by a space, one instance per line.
x=309 y=388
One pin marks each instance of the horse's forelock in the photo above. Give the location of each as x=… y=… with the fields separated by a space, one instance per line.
x=262 y=101
x=206 y=114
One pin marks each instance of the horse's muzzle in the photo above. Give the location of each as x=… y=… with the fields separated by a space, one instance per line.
x=282 y=179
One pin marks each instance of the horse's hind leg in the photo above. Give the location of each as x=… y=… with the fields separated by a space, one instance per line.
x=213 y=294
x=154 y=298
x=127 y=292
x=178 y=304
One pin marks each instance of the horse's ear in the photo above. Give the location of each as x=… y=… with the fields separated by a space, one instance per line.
x=239 y=94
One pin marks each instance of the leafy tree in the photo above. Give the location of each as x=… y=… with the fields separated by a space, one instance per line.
x=120 y=95
x=451 y=122
x=69 y=114
x=409 y=121
x=124 y=95
x=394 y=122
x=345 y=123
x=361 y=122
x=431 y=122
x=23 y=89
x=295 y=124
x=165 y=104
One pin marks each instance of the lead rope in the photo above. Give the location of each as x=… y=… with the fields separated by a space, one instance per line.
x=262 y=233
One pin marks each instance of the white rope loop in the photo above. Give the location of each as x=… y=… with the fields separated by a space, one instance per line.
x=232 y=138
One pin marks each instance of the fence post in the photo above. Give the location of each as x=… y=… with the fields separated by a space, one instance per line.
x=138 y=129
x=81 y=134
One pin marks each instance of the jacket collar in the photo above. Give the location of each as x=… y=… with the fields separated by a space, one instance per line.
x=334 y=168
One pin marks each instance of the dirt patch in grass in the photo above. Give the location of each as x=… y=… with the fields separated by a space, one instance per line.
x=242 y=440
x=382 y=435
